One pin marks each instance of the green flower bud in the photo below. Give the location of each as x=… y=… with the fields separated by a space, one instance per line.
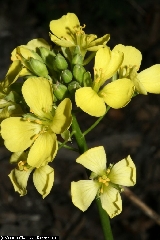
x=38 y=67
x=60 y=62
x=77 y=59
x=66 y=76
x=87 y=80
x=77 y=50
x=78 y=73
x=47 y=56
x=73 y=86
x=60 y=91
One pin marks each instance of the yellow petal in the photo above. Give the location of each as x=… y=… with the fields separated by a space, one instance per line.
x=65 y=26
x=83 y=193
x=138 y=85
x=18 y=156
x=118 y=94
x=38 y=95
x=89 y=101
x=14 y=55
x=25 y=72
x=123 y=172
x=111 y=201
x=36 y=43
x=62 y=118
x=150 y=78
x=12 y=74
x=19 y=180
x=99 y=42
x=43 y=150
x=27 y=53
x=132 y=56
x=102 y=59
x=107 y=62
x=94 y=159
x=43 y=179
x=62 y=42
x=18 y=134
x=113 y=66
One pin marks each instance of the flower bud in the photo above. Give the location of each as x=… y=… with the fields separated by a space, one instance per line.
x=78 y=73
x=38 y=67
x=77 y=50
x=47 y=56
x=66 y=76
x=87 y=80
x=77 y=59
x=73 y=86
x=60 y=62
x=60 y=91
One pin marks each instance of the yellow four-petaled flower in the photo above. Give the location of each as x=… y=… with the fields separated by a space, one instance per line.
x=38 y=130
x=117 y=94
x=104 y=183
x=67 y=32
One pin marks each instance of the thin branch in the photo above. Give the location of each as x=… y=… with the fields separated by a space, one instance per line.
x=137 y=7
x=147 y=210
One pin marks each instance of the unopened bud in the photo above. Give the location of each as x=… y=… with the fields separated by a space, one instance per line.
x=60 y=91
x=87 y=80
x=78 y=73
x=60 y=62
x=47 y=56
x=77 y=59
x=38 y=67
x=77 y=50
x=73 y=86
x=66 y=76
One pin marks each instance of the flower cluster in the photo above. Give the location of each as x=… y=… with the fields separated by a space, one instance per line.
x=46 y=85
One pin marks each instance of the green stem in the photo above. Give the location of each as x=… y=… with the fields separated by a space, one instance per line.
x=82 y=145
x=66 y=146
x=80 y=139
x=95 y=123
x=104 y=221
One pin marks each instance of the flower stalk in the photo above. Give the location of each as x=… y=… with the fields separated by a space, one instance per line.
x=82 y=145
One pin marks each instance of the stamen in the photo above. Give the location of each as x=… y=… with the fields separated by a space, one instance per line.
x=101 y=190
x=108 y=170
x=38 y=121
x=21 y=166
x=100 y=179
x=106 y=184
x=36 y=136
x=102 y=94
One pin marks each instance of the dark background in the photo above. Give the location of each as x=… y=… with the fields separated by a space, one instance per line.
x=134 y=130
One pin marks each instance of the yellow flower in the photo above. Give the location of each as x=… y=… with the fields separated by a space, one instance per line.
x=38 y=129
x=43 y=179
x=117 y=94
x=147 y=80
x=105 y=183
x=67 y=32
x=30 y=61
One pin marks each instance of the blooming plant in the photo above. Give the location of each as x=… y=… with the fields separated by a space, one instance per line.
x=40 y=96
